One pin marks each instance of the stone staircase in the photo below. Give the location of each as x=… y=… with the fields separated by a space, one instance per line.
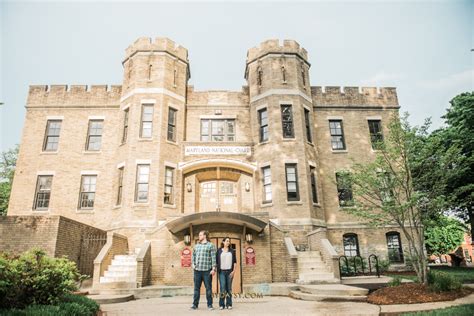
x=123 y=268
x=313 y=270
x=330 y=292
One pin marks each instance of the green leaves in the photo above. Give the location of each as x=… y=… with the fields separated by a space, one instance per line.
x=443 y=235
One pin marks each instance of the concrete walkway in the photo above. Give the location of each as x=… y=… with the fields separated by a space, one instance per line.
x=395 y=309
x=267 y=305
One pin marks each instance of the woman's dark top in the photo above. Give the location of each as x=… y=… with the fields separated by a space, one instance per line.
x=218 y=259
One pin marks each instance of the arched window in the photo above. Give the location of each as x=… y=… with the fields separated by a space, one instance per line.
x=259 y=76
x=283 y=74
x=149 y=71
x=175 y=75
x=351 y=244
x=394 y=246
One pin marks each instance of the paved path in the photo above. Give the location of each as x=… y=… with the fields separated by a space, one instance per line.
x=268 y=305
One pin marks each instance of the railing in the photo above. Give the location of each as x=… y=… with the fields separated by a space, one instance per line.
x=358 y=267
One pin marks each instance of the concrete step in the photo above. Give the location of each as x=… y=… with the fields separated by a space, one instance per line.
x=320 y=297
x=313 y=270
x=111 y=299
x=123 y=263
x=126 y=257
x=129 y=274
x=333 y=289
x=309 y=253
x=105 y=279
x=316 y=275
x=122 y=268
x=309 y=259
x=311 y=264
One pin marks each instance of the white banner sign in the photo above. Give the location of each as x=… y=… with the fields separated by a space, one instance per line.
x=216 y=150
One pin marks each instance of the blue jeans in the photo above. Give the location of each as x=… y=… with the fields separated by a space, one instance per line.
x=226 y=288
x=199 y=277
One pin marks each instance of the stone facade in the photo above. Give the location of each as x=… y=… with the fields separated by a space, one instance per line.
x=155 y=119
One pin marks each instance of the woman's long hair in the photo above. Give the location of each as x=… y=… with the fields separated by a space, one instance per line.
x=222 y=242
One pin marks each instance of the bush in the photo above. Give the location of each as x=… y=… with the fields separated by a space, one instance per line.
x=396 y=281
x=439 y=281
x=35 y=279
x=383 y=265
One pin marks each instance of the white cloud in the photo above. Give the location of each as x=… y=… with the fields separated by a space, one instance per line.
x=382 y=78
x=462 y=80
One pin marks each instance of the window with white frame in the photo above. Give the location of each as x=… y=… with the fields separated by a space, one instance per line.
x=51 y=138
x=87 y=194
x=43 y=192
x=142 y=181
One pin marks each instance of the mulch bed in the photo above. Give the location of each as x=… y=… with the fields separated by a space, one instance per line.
x=412 y=293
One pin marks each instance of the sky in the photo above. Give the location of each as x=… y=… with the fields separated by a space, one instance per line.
x=421 y=47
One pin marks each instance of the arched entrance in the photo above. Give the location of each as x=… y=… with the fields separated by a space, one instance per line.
x=218 y=185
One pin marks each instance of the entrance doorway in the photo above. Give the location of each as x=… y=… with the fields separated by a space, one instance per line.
x=218 y=196
x=237 y=280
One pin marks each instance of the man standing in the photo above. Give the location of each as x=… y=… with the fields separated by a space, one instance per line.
x=204 y=266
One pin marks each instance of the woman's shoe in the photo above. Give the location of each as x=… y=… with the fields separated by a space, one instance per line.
x=229 y=307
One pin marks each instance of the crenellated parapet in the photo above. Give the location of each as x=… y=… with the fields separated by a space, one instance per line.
x=273 y=46
x=217 y=97
x=74 y=96
x=160 y=44
x=354 y=96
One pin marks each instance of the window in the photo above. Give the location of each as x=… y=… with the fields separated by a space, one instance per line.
x=168 y=199
x=259 y=76
x=227 y=188
x=283 y=74
x=147 y=121
x=337 y=135
x=287 y=121
x=125 y=126
x=376 y=136
x=43 y=192
x=351 y=245
x=394 y=246
x=141 y=190
x=263 y=122
x=94 y=135
x=344 y=189
x=307 y=123
x=314 y=190
x=292 y=193
x=303 y=76
x=218 y=130
x=209 y=187
x=172 y=124
x=87 y=195
x=267 y=184
x=51 y=139
x=120 y=186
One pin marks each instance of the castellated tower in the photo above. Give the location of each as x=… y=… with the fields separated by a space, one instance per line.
x=155 y=79
x=282 y=113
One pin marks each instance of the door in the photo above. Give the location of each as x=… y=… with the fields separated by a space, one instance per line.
x=237 y=280
x=218 y=196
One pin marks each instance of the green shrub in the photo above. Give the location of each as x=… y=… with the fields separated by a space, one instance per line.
x=439 y=281
x=34 y=278
x=91 y=305
x=383 y=265
x=396 y=281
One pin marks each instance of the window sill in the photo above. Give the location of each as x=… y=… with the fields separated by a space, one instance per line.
x=49 y=152
x=172 y=143
x=145 y=139
x=292 y=139
x=140 y=204
x=309 y=143
x=294 y=203
x=116 y=207
x=263 y=143
x=36 y=210
x=173 y=206
x=92 y=152
x=342 y=151
x=269 y=204
x=316 y=204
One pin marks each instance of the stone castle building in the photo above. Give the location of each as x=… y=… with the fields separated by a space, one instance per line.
x=153 y=162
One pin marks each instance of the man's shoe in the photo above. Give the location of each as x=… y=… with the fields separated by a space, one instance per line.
x=193 y=307
x=210 y=308
x=229 y=307
x=222 y=307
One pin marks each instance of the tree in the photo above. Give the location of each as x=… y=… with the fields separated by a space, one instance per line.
x=443 y=235
x=7 y=170
x=459 y=132
x=385 y=190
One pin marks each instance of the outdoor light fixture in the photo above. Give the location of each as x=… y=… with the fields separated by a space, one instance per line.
x=187 y=239
x=247 y=186
x=189 y=187
x=248 y=238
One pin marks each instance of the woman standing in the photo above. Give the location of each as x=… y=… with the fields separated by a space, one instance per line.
x=226 y=264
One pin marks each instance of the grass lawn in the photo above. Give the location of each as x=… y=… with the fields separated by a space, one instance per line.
x=464 y=274
x=461 y=310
